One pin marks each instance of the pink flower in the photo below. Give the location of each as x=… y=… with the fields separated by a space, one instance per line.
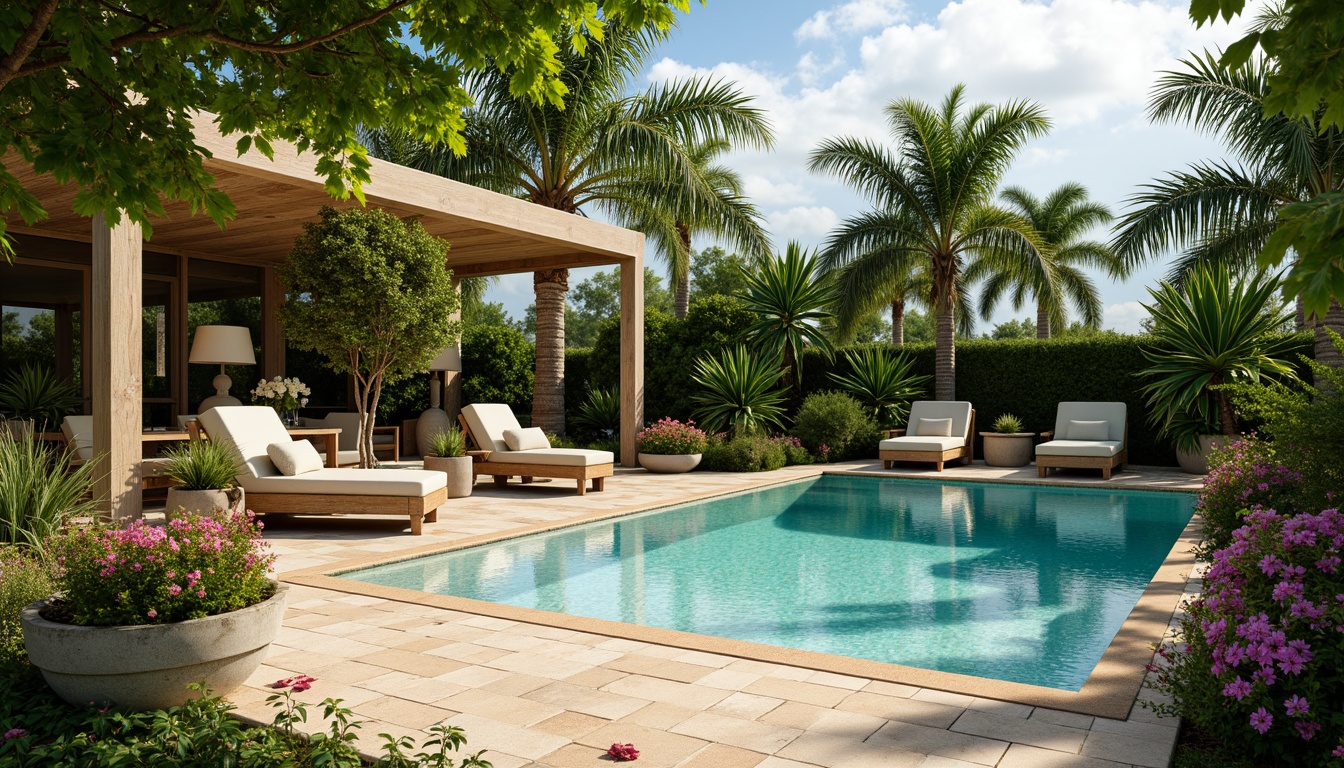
x=174 y=590
x=1296 y=705
x=623 y=752
x=1307 y=730
x=153 y=614
x=15 y=733
x=1261 y=720
x=298 y=683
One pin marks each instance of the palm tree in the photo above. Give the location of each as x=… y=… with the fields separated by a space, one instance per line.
x=624 y=155
x=1223 y=212
x=789 y=296
x=1060 y=220
x=933 y=198
x=888 y=280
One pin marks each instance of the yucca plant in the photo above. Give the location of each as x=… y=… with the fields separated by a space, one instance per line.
x=37 y=393
x=40 y=491
x=448 y=444
x=882 y=382
x=741 y=392
x=790 y=296
x=601 y=413
x=1219 y=331
x=201 y=465
x=1007 y=424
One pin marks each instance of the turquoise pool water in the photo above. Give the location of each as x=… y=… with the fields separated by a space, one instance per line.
x=1021 y=583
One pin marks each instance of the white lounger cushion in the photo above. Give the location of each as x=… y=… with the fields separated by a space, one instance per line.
x=414 y=483
x=294 y=457
x=915 y=443
x=488 y=422
x=1087 y=430
x=553 y=457
x=79 y=435
x=1099 y=448
x=1111 y=413
x=530 y=439
x=932 y=428
x=959 y=411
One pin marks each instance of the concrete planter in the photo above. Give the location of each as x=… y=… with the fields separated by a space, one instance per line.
x=1008 y=449
x=1197 y=462
x=669 y=464
x=149 y=666
x=458 y=469
x=181 y=501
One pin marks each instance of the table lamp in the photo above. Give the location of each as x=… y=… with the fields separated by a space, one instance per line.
x=222 y=345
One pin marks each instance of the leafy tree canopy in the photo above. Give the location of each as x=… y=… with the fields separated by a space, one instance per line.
x=715 y=272
x=102 y=93
x=1013 y=329
x=599 y=298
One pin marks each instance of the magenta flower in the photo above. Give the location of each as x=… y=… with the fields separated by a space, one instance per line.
x=1238 y=689
x=623 y=752
x=1261 y=720
x=153 y=614
x=1296 y=705
x=298 y=683
x=15 y=733
x=1307 y=730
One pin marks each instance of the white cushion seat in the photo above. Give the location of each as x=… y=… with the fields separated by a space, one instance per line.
x=351 y=481
x=492 y=425
x=78 y=431
x=554 y=457
x=1080 y=448
x=915 y=443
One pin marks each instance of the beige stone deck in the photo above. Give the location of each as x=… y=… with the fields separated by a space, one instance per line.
x=544 y=696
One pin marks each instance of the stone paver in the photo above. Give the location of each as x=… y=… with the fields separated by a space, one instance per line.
x=550 y=697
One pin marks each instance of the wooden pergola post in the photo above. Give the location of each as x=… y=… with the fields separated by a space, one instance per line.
x=632 y=357
x=116 y=364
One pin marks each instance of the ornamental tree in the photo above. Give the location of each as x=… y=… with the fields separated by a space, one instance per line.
x=102 y=93
x=373 y=295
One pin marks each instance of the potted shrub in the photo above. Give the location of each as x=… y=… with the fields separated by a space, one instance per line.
x=204 y=472
x=145 y=611
x=670 y=446
x=448 y=454
x=1007 y=445
x=35 y=398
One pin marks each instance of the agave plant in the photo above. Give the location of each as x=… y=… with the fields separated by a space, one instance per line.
x=1008 y=424
x=449 y=443
x=1219 y=331
x=790 y=296
x=882 y=382
x=37 y=393
x=601 y=413
x=741 y=392
x=40 y=491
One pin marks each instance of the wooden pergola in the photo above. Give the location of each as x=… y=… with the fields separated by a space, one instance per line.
x=488 y=234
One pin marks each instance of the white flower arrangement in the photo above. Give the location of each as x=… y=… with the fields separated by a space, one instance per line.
x=282 y=394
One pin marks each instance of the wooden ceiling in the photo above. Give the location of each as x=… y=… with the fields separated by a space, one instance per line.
x=487 y=233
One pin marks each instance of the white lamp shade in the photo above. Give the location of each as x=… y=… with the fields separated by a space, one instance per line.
x=450 y=359
x=222 y=345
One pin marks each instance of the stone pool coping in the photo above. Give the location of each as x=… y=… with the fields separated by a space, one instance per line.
x=1110 y=690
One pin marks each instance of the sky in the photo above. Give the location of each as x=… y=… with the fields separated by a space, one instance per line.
x=821 y=69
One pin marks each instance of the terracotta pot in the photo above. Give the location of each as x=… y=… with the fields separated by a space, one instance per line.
x=458 y=469
x=1197 y=462
x=1008 y=449
x=669 y=464
x=181 y=501
x=150 y=666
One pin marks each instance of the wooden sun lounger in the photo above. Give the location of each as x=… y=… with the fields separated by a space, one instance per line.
x=501 y=471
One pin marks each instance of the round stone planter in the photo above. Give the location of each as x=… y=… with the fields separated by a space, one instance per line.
x=150 y=666
x=1197 y=462
x=458 y=469
x=669 y=464
x=1008 y=449
x=181 y=501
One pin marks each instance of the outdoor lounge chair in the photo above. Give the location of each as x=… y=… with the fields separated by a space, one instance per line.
x=486 y=424
x=1086 y=435
x=938 y=431
x=78 y=433
x=250 y=429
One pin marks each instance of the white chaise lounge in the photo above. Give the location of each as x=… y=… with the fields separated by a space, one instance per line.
x=938 y=431
x=507 y=450
x=78 y=433
x=1088 y=436
x=251 y=430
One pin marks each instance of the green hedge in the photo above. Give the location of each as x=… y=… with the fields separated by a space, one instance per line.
x=497 y=367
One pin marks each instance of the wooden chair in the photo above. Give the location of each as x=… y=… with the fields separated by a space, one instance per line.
x=1086 y=436
x=485 y=425
x=921 y=441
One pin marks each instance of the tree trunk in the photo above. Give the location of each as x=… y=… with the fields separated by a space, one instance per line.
x=945 y=358
x=1042 y=321
x=682 y=304
x=1326 y=353
x=1301 y=322
x=898 y=322
x=548 y=388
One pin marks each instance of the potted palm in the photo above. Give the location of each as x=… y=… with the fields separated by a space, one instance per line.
x=448 y=454
x=34 y=397
x=671 y=447
x=1007 y=445
x=203 y=473
x=1216 y=331
x=145 y=611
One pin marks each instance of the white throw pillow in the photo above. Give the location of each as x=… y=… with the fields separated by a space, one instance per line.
x=526 y=439
x=295 y=457
x=1089 y=430
x=934 y=428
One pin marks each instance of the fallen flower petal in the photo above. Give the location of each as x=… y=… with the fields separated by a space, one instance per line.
x=623 y=752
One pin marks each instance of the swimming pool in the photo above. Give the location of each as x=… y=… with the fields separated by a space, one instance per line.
x=1011 y=582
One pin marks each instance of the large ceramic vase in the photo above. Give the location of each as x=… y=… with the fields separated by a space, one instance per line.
x=669 y=464
x=150 y=666
x=458 y=469
x=1197 y=462
x=1008 y=449
x=183 y=502
x=432 y=421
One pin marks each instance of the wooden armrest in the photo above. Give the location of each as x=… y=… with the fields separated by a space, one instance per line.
x=1047 y=435
x=894 y=432
x=387 y=430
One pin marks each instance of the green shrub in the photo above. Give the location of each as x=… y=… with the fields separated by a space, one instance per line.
x=744 y=453
x=1008 y=424
x=36 y=393
x=882 y=382
x=24 y=579
x=497 y=367
x=40 y=491
x=448 y=444
x=201 y=465
x=834 y=426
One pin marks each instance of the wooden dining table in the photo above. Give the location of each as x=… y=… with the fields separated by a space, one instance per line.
x=329 y=435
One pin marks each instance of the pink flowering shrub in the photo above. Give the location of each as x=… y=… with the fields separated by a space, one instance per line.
x=1265 y=642
x=670 y=437
x=195 y=566
x=1245 y=475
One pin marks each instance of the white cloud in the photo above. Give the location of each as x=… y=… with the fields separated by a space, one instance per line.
x=766 y=192
x=804 y=223
x=1125 y=317
x=851 y=18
